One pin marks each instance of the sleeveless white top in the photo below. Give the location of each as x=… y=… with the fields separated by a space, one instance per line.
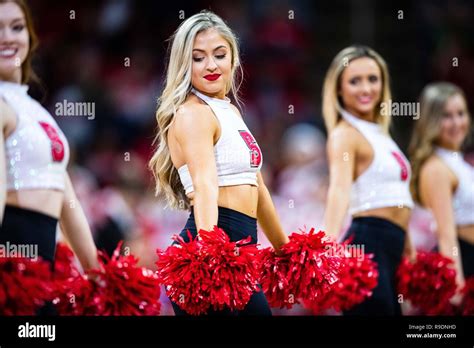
x=386 y=182
x=37 y=151
x=463 y=198
x=237 y=154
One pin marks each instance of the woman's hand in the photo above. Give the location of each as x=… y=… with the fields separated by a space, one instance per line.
x=410 y=254
x=277 y=248
x=458 y=297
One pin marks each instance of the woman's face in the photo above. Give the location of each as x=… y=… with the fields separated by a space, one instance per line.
x=14 y=41
x=361 y=87
x=211 y=64
x=455 y=123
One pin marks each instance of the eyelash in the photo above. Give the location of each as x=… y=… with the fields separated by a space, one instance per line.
x=371 y=79
x=220 y=56
x=19 y=27
x=460 y=114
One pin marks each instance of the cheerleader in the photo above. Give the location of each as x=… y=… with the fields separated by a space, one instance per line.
x=442 y=180
x=207 y=160
x=36 y=191
x=369 y=175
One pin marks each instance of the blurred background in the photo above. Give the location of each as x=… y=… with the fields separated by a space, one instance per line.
x=112 y=53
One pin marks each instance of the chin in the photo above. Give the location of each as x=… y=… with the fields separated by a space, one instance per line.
x=364 y=110
x=8 y=69
x=212 y=89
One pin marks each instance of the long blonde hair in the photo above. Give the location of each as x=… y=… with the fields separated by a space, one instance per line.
x=432 y=102
x=177 y=87
x=332 y=102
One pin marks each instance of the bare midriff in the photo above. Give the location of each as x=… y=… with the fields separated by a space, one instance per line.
x=242 y=198
x=48 y=202
x=466 y=233
x=396 y=215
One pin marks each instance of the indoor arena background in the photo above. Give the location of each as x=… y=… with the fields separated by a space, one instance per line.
x=111 y=54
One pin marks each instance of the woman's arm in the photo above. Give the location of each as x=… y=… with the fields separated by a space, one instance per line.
x=3 y=168
x=76 y=229
x=195 y=127
x=436 y=190
x=409 y=250
x=341 y=155
x=267 y=216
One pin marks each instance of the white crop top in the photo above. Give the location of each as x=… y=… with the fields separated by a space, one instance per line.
x=37 y=151
x=463 y=198
x=386 y=182
x=237 y=154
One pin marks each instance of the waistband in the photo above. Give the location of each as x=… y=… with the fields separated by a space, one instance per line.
x=28 y=213
x=237 y=225
x=378 y=222
x=24 y=226
x=227 y=212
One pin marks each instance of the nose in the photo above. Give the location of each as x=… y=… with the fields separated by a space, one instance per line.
x=6 y=35
x=366 y=87
x=211 y=66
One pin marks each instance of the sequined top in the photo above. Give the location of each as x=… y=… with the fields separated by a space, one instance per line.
x=37 y=151
x=386 y=182
x=237 y=154
x=463 y=198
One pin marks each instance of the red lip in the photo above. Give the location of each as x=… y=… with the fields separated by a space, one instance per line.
x=212 y=77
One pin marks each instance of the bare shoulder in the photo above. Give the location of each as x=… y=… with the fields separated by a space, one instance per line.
x=435 y=169
x=7 y=115
x=343 y=135
x=194 y=116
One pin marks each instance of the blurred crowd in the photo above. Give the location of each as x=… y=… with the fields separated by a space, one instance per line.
x=113 y=53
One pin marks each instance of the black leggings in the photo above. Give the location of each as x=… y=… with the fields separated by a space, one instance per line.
x=386 y=241
x=23 y=226
x=467 y=257
x=26 y=227
x=238 y=226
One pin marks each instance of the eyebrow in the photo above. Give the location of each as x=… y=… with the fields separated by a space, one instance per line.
x=215 y=49
x=18 y=19
x=362 y=75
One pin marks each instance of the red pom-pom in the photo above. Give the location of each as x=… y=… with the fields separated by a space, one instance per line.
x=304 y=269
x=467 y=305
x=25 y=285
x=428 y=283
x=186 y=277
x=119 y=287
x=358 y=276
x=210 y=272
x=234 y=269
x=75 y=294
x=79 y=295
x=64 y=262
x=127 y=289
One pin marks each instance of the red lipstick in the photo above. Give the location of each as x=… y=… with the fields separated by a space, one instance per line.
x=212 y=77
